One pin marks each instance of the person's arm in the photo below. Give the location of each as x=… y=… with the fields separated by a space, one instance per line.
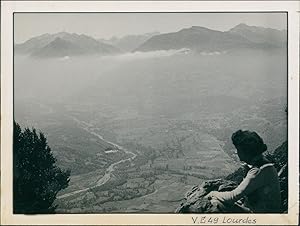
x=251 y=182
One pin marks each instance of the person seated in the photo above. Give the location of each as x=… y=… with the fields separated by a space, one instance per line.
x=260 y=190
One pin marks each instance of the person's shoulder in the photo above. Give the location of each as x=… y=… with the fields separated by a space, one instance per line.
x=267 y=166
x=255 y=170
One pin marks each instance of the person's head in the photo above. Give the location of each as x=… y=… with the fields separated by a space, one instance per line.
x=249 y=145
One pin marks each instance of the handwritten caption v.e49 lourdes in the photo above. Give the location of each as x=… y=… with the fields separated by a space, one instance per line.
x=223 y=220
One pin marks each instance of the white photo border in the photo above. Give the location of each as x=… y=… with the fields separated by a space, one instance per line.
x=8 y=8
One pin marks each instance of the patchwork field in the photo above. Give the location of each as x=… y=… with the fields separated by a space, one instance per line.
x=138 y=133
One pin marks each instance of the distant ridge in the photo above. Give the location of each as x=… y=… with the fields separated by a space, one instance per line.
x=64 y=44
x=195 y=38
x=203 y=39
x=261 y=35
x=129 y=42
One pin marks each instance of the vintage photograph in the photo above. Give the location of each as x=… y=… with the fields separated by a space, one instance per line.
x=150 y=113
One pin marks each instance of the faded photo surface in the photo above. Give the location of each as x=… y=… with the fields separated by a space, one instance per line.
x=150 y=113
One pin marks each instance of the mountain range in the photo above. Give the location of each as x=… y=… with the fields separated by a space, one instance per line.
x=64 y=44
x=204 y=39
x=195 y=38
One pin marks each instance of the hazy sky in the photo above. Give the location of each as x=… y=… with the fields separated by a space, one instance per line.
x=106 y=25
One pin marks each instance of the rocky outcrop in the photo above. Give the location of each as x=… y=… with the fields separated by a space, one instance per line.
x=195 y=200
x=280 y=159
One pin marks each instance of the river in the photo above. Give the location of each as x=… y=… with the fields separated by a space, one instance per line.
x=108 y=173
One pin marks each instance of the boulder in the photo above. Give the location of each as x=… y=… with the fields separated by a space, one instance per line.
x=195 y=200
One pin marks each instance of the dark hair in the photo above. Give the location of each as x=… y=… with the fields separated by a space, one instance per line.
x=250 y=142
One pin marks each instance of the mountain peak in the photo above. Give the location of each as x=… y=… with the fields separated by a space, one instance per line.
x=198 y=28
x=64 y=44
x=63 y=33
x=242 y=25
x=269 y=36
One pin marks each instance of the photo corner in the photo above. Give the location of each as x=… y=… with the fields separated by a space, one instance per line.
x=138 y=113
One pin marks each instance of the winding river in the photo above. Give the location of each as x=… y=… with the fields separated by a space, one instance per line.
x=108 y=173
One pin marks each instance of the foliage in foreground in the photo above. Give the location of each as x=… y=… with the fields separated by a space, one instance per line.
x=36 y=177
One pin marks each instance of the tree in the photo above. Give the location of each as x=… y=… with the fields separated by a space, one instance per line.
x=36 y=177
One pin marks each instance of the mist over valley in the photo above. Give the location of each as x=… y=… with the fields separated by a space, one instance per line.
x=139 y=125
